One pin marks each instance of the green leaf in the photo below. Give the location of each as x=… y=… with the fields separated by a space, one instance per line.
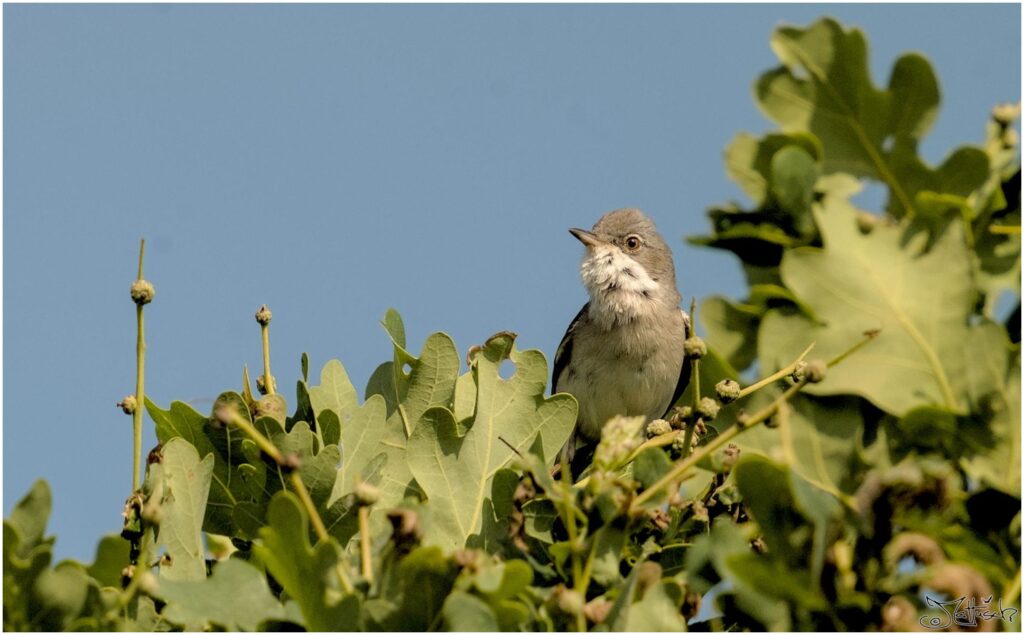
x=818 y=439
x=26 y=555
x=456 y=471
x=234 y=480
x=111 y=558
x=650 y=465
x=658 y=610
x=302 y=570
x=731 y=330
x=646 y=602
x=413 y=589
x=794 y=173
x=748 y=160
x=919 y=303
x=30 y=515
x=609 y=543
x=464 y=612
x=361 y=429
x=781 y=502
x=236 y=597
x=430 y=380
x=998 y=463
x=61 y=594
x=182 y=483
x=824 y=88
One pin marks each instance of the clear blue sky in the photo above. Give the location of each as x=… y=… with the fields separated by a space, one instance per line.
x=332 y=161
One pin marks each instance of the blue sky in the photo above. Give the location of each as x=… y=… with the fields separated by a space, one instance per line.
x=333 y=161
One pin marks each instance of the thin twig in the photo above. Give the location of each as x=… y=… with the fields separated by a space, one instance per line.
x=868 y=336
x=689 y=462
x=140 y=380
x=783 y=372
x=268 y=380
x=694 y=382
x=569 y=517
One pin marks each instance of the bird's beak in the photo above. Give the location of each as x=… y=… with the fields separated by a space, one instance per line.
x=587 y=238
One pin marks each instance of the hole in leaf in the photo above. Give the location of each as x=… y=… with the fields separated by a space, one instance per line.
x=887 y=143
x=506 y=370
x=407 y=368
x=873 y=197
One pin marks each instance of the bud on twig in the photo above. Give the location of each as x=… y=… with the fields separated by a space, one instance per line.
x=694 y=347
x=1005 y=114
x=128 y=404
x=708 y=408
x=569 y=601
x=658 y=427
x=728 y=390
x=261 y=384
x=143 y=292
x=815 y=371
x=681 y=415
x=263 y=316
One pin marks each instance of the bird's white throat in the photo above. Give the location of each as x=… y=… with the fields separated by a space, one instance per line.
x=620 y=288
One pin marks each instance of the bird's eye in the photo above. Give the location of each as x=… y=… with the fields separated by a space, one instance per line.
x=632 y=243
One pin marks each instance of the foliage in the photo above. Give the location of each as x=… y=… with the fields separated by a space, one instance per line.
x=815 y=501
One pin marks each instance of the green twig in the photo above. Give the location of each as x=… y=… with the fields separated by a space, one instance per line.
x=868 y=336
x=569 y=517
x=267 y=377
x=689 y=462
x=271 y=450
x=140 y=380
x=365 y=553
x=129 y=592
x=694 y=382
x=1004 y=229
x=781 y=373
x=1012 y=591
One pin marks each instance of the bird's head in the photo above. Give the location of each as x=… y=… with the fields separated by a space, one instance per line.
x=627 y=268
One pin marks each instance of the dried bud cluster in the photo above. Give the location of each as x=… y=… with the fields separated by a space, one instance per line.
x=620 y=436
x=658 y=427
x=569 y=602
x=815 y=371
x=727 y=390
x=263 y=316
x=143 y=292
x=695 y=348
x=708 y=408
x=681 y=415
x=128 y=404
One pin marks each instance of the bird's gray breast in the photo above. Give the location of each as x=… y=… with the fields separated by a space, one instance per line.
x=630 y=370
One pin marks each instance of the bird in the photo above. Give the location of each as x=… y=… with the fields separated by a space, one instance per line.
x=623 y=353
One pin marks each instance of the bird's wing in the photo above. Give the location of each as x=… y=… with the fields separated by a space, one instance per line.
x=684 y=370
x=564 y=352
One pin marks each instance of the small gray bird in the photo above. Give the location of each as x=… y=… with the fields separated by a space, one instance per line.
x=623 y=353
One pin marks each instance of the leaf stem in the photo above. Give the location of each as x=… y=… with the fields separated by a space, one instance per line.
x=689 y=462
